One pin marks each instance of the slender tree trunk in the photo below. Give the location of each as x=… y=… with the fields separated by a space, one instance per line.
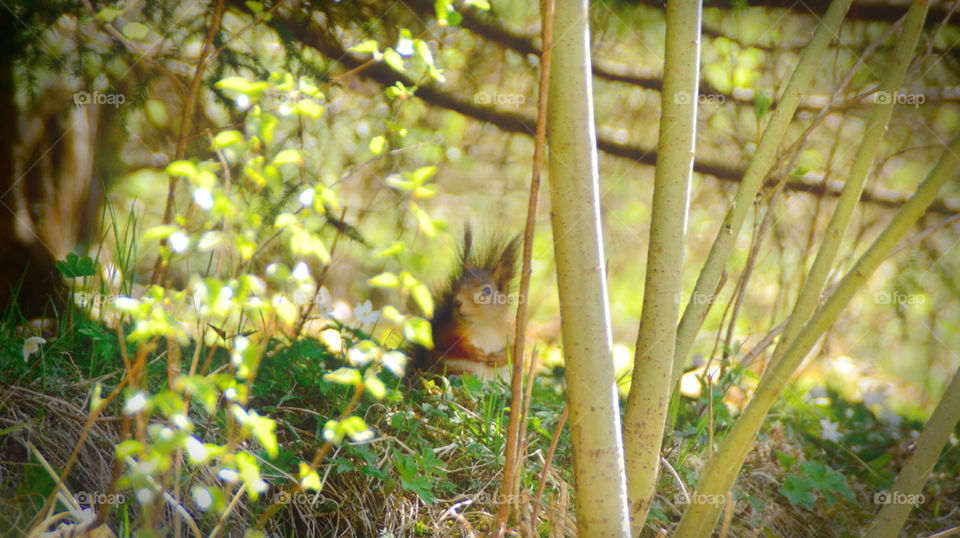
x=650 y=385
x=599 y=479
x=890 y=82
x=910 y=481
x=760 y=165
x=722 y=469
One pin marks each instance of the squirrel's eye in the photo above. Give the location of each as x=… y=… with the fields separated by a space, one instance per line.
x=487 y=290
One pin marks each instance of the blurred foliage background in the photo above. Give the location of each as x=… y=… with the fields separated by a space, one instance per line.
x=475 y=127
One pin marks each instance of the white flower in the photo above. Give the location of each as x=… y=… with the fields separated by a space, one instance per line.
x=875 y=396
x=179 y=242
x=829 y=431
x=228 y=475
x=31 y=345
x=405 y=47
x=203 y=198
x=301 y=271
x=366 y=314
x=306 y=197
x=135 y=404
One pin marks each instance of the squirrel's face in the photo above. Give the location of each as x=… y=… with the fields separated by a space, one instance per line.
x=478 y=300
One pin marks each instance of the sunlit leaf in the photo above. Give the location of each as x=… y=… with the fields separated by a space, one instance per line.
x=365 y=47
x=394 y=60
x=135 y=30
x=182 y=168
x=309 y=479
x=344 y=376
x=417 y=331
x=377 y=144
x=227 y=138
x=384 y=280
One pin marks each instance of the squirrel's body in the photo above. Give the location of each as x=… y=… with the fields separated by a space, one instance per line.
x=474 y=320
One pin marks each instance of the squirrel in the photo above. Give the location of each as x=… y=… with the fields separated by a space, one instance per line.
x=474 y=320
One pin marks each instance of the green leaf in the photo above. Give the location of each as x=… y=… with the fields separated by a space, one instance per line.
x=364 y=47
x=417 y=331
x=376 y=387
x=333 y=432
x=182 y=168
x=309 y=108
x=288 y=156
x=423 y=297
x=130 y=447
x=286 y=219
x=423 y=220
x=135 y=30
x=263 y=428
x=798 y=491
x=394 y=60
x=384 y=280
x=108 y=14
x=75 y=266
x=309 y=479
x=227 y=138
x=344 y=376
x=250 y=473
x=377 y=144
x=422 y=174
x=392 y=249
x=410 y=478
x=237 y=84
x=761 y=104
x=786 y=460
x=357 y=429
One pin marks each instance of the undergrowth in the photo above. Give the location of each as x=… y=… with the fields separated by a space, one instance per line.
x=434 y=463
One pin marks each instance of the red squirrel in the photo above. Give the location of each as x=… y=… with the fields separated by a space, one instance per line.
x=474 y=319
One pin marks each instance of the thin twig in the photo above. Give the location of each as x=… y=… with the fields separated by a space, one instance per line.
x=546 y=463
x=512 y=463
x=188 y=107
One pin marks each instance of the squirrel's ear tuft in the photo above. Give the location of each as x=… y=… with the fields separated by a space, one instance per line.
x=467 y=245
x=503 y=272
